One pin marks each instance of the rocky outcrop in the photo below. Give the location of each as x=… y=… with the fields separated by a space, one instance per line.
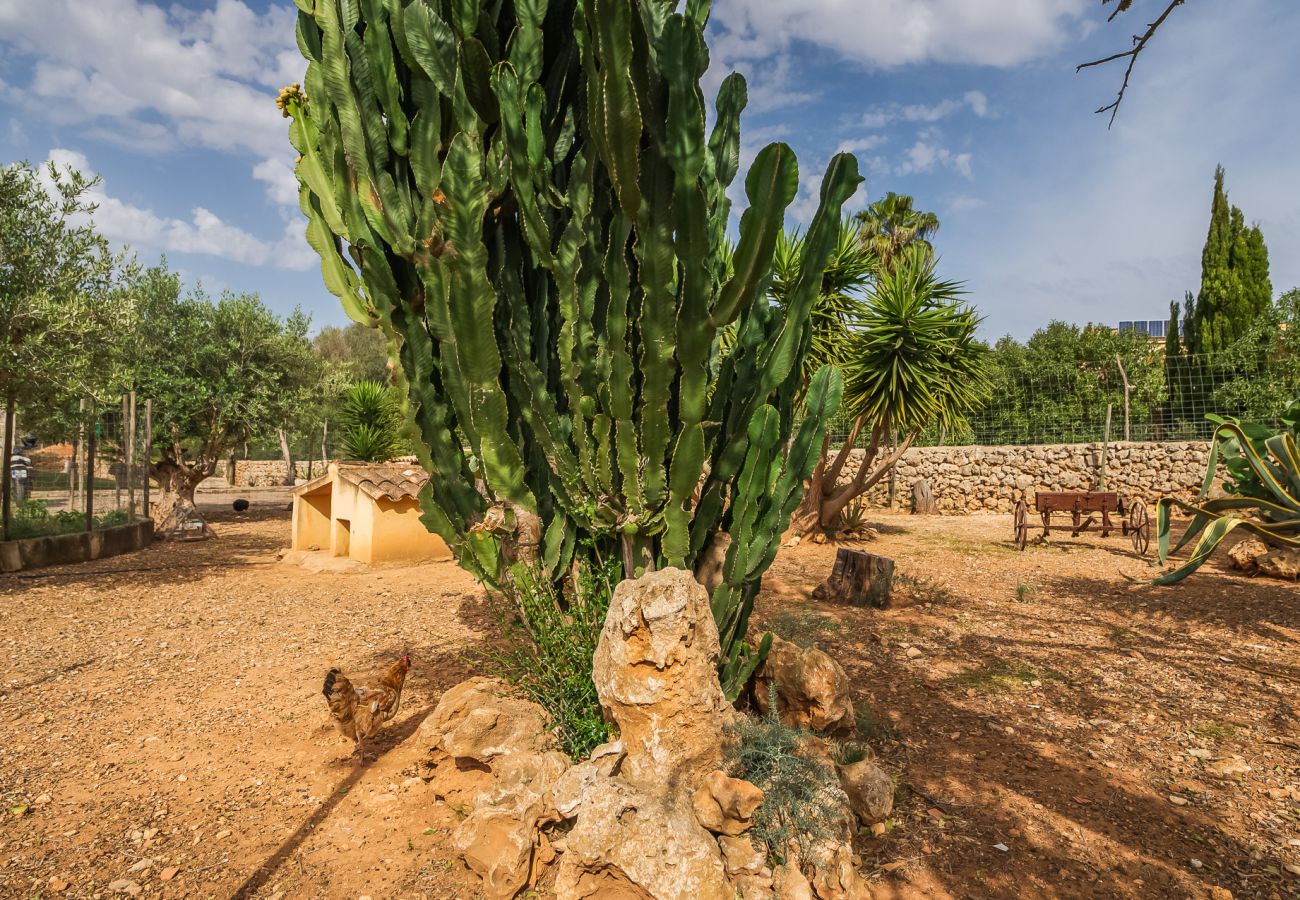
x=726 y=805
x=651 y=814
x=870 y=790
x=1281 y=563
x=811 y=689
x=493 y=756
x=1245 y=555
x=656 y=675
x=642 y=838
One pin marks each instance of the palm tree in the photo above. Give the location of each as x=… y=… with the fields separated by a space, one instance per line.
x=912 y=359
x=891 y=224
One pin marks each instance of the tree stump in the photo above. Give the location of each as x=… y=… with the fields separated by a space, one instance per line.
x=859 y=579
x=923 y=498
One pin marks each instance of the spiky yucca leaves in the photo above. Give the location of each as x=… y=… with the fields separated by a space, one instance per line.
x=1264 y=485
x=841 y=296
x=523 y=195
x=911 y=360
x=915 y=358
x=370 y=422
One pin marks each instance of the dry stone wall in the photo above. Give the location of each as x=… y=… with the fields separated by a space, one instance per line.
x=268 y=472
x=972 y=479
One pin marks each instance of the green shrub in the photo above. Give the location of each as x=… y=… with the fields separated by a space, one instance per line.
x=32 y=518
x=370 y=422
x=551 y=638
x=796 y=809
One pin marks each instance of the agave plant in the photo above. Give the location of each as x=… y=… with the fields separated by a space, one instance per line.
x=1263 y=485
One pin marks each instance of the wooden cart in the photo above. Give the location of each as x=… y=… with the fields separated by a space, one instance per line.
x=1135 y=524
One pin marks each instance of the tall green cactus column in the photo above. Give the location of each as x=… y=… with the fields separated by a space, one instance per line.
x=523 y=196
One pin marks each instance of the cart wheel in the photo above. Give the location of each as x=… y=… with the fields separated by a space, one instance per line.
x=1021 y=533
x=1139 y=526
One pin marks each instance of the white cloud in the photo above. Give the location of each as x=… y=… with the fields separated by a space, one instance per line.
x=203 y=233
x=861 y=145
x=925 y=155
x=150 y=79
x=887 y=33
x=880 y=116
x=978 y=103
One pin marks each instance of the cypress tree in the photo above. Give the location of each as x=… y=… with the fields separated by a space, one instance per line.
x=1235 y=284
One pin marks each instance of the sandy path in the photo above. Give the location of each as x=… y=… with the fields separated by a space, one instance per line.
x=167 y=710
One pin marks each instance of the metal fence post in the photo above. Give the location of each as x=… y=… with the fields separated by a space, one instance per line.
x=8 y=467
x=130 y=457
x=91 y=440
x=148 y=452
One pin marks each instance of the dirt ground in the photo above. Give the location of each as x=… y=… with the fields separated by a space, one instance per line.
x=1055 y=729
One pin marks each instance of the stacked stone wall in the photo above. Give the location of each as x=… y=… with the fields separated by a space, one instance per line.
x=973 y=479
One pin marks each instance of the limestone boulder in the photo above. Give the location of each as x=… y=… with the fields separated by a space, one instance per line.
x=628 y=841
x=481 y=719
x=655 y=671
x=494 y=756
x=869 y=789
x=811 y=689
x=1245 y=555
x=726 y=805
x=1281 y=563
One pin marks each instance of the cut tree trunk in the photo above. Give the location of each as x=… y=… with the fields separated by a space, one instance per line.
x=923 y=498
x=859 y=579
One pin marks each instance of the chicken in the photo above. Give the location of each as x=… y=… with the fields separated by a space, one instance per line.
x=361 y=712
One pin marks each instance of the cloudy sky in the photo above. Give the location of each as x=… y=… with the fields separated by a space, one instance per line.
x=972 y=106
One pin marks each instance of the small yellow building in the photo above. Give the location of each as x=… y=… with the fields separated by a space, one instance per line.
x=369 y=512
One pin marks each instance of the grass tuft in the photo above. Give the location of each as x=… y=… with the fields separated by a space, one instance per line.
x=998 y=675
x=550 y=641
x=802 y=627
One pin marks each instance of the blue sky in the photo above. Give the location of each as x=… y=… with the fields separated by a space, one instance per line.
x=972 y=106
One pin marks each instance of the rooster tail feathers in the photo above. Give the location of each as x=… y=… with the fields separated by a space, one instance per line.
x=330 y=677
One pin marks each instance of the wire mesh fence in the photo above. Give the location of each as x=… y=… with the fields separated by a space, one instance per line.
x=1148 y=400
x=77 y=468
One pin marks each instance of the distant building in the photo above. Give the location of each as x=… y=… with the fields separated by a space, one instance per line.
x=1152 y=328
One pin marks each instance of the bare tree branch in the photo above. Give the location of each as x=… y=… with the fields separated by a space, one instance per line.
x=1139 y=44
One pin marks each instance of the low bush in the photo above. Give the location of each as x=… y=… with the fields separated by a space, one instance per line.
x=551 y=637
x=32 y=518
x=797 y=808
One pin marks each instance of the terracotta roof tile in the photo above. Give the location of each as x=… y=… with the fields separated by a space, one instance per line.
x=395 y=482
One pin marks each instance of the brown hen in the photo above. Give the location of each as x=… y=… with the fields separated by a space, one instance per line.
x=361 y=712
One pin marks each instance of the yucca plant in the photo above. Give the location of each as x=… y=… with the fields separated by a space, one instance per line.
x=370 y=422
x=1263 y=484
x=910 y=360
x=524 y=196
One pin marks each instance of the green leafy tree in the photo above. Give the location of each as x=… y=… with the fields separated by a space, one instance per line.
x=1056 y=386
x=355 y=351
x=1235 y=284
x=58 y=312
x=912 y=359
x=1263 y=365
x=370 y=422
x=892 y=224
x=220 y=372
x=527 y=199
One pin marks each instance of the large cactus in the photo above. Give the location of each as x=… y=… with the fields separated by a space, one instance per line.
x=523 y=195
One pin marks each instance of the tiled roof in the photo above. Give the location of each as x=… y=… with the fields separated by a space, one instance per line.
x=385 y=479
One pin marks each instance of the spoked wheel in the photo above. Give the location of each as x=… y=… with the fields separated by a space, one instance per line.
x=1139 y=526
x=1021 y=532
